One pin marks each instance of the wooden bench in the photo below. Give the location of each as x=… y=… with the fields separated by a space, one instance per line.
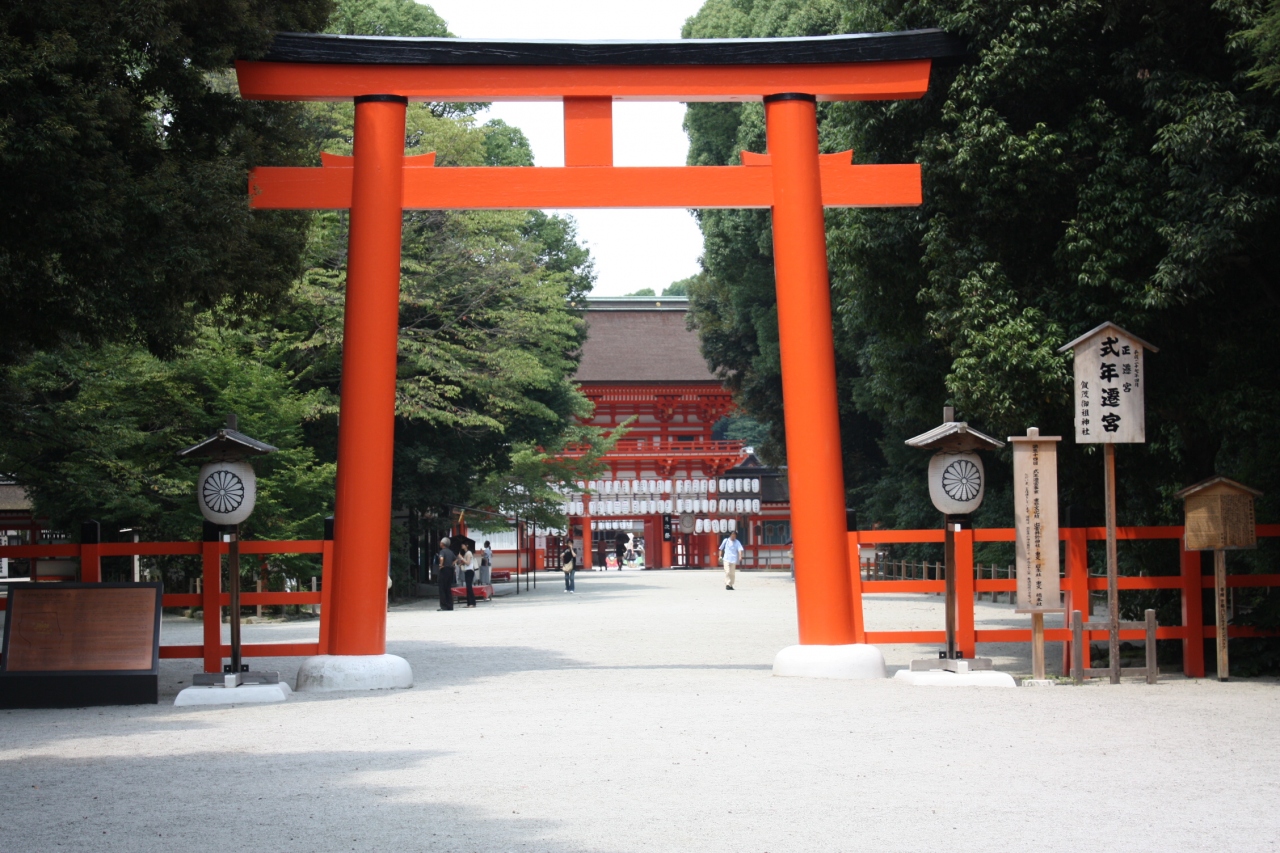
x=483 y=591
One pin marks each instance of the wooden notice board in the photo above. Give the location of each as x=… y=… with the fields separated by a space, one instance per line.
x=1220 y=520
x=75 y=644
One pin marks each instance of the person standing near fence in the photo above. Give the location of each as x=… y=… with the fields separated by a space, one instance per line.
x=467 y=562
x=567 y=560
x=444 y=574
x=731 y=553
x=486 y=564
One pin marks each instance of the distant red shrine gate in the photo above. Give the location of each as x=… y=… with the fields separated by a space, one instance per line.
x=796 y=182
x=642 y=364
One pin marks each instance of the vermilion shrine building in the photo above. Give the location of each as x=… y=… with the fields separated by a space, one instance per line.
x=641 y=363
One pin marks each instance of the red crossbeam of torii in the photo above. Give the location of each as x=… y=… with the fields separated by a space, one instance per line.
x=793 y=179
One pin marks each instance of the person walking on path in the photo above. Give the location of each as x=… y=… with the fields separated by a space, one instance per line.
x=567 y=560
x=620 y=548
x=731 y=553
x=444 y=574
x=467 y=562
x=486 y=564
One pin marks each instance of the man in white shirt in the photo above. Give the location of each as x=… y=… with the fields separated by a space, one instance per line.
x=731 y=553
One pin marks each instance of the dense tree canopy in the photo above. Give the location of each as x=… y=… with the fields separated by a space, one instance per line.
x=123 y=150
x=1088 y=161
x=92 y=416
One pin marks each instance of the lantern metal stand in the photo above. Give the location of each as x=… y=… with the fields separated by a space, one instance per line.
x=957 y=484
x=226 y=491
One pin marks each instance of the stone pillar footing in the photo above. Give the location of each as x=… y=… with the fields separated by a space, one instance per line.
x=331 y=673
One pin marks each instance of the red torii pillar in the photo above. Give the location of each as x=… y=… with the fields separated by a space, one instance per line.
x=815 y=464
x=371 y=334
x=794 y=180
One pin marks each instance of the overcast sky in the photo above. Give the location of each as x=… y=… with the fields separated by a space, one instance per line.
x=632 y=248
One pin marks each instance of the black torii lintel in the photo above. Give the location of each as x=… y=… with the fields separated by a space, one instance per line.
x=313 y=48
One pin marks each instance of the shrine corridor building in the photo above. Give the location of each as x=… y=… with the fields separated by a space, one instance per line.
x=670 y=481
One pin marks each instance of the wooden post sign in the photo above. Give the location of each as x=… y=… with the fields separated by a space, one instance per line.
x=1110 y=410
x=1035 y=507
x=1219 y=517
x=1109 y=386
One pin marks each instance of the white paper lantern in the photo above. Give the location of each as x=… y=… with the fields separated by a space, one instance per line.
x=733 y=524
x=755 y=505
x=957 y=482
x=711 y=486
x=226 y=491
x=755 y=484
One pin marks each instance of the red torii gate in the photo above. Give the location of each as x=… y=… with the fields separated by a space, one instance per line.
x=793 y=179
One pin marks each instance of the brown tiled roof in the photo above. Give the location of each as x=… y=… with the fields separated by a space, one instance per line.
x=13 y=498
x=643 y=343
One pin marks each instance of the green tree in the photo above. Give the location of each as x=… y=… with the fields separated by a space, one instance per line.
x=679 y=288
x=97 y=432
x=123 y=150
x=1090 y=161
x=1264 y=40
x=488 y=327
x=644 y=291
x=403 y=18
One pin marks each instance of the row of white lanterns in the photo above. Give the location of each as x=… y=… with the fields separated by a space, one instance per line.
x=670 y=487
x=700 y=525
x=668 y=507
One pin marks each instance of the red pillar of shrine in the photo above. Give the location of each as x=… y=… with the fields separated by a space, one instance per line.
x=366 y=426
x=585 y=557
x=815 y=468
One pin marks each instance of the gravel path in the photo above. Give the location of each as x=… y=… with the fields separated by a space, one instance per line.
x=640 y=715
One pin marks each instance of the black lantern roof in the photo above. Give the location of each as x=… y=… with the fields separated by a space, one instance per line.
x=954 y=436
x=227 y=444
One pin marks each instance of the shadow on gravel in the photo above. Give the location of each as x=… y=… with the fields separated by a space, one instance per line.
x=323 y=800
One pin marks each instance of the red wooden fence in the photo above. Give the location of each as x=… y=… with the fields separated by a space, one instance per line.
x=1190 y=581
x=1076 y=584
x=212 y=599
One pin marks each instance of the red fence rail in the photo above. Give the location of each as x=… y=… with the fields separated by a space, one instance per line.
x=211 y=598
x=1077 y=583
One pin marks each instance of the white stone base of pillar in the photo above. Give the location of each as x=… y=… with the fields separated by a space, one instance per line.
x=854 y=661
x=331 y=673
x=245 y=694
x=942 y=678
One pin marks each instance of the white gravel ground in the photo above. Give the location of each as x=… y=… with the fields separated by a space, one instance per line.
x=640 y=715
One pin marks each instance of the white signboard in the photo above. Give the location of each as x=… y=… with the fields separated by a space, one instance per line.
x=1109 y=386
x=1035 y=507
